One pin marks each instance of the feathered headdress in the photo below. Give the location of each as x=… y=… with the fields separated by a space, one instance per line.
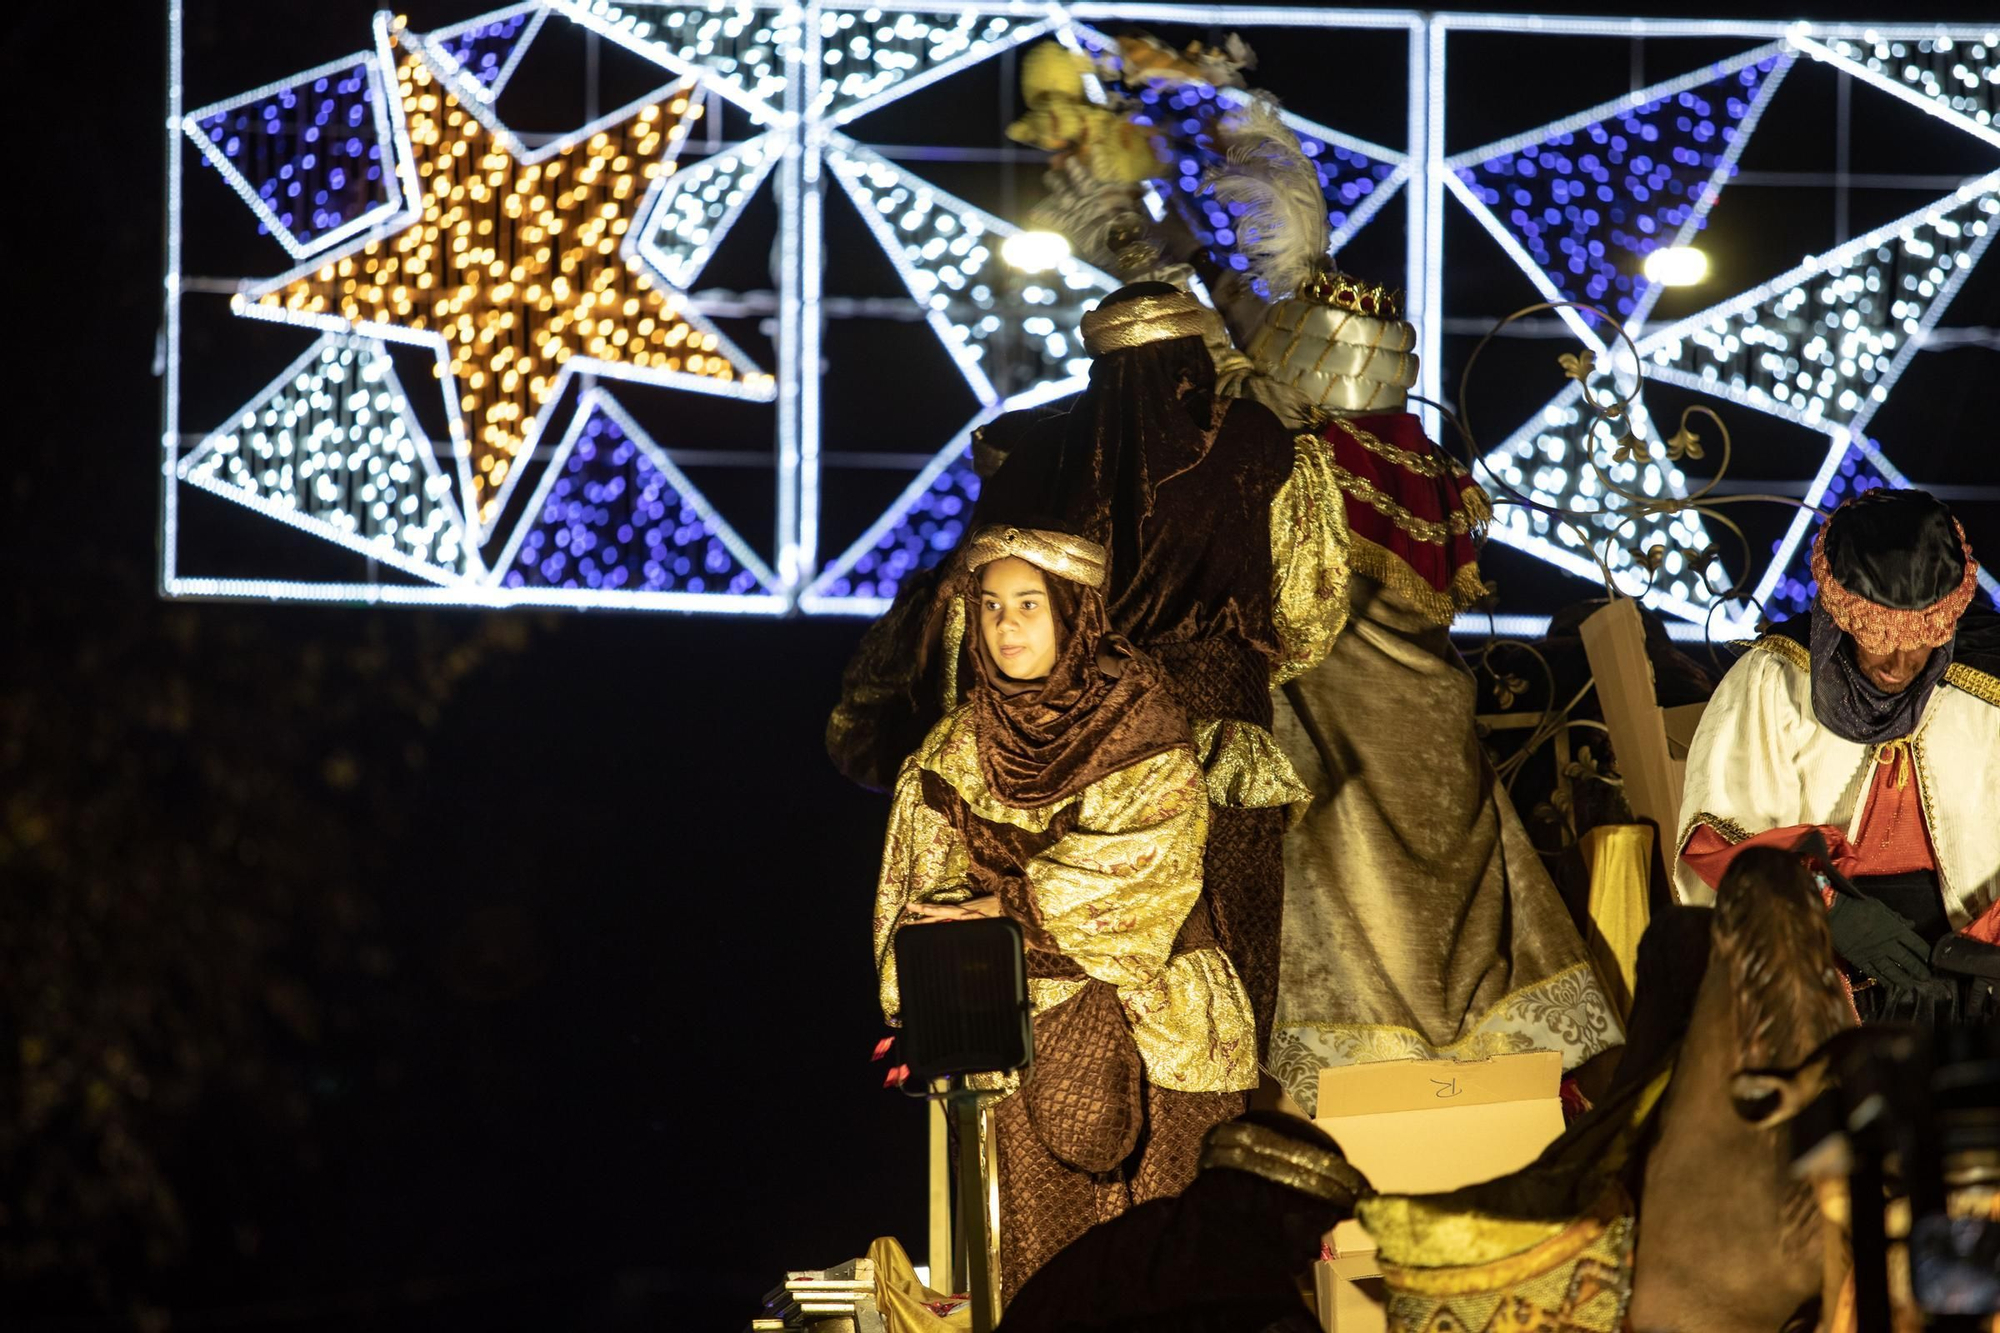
x=1273 y=192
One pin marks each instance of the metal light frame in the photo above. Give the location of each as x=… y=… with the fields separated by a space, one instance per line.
x=798 y=132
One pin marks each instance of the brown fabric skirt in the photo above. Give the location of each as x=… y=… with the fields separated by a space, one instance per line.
x=1044 y=1205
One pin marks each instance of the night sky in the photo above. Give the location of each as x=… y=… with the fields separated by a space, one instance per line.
x=399 y=970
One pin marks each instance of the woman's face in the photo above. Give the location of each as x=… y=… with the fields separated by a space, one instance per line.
x=1014 y=618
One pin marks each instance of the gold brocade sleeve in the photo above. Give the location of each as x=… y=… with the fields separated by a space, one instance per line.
x=923 y=860
x=1245 y=766
x=1311 y=559
x=1113 y=892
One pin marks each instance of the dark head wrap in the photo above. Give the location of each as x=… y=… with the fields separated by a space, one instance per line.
x=1102 y=707
x=1176 y=482
x=1884 y=553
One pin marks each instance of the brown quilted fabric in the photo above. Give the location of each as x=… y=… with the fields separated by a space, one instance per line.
x=1045 y=1205
x=1083 y=1097
x=1243 y=875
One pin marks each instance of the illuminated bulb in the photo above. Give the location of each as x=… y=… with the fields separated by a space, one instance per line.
x=1034 y=251
x=1676 y=266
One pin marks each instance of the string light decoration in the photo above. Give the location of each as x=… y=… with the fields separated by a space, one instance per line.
x=329 y=446
x=866 y=56
x=1566 y=458
x=1794 y=587
x=1956 y=79
x=612 y=513
x=745 y=53
x=487 y=50
x=1581 y=203
x=922 y=526
x=700 y=203
x=308 y=155
x=1823 y=344
x=516 y=269
x=947 y=253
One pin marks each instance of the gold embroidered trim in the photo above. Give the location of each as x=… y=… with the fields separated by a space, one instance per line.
x=1887 y=629
x=1424 y=465
x=1784 y=649
x=1475 y=1045
x=1424 y=530
x=1728 y=828
x=1914 y=749
x=1974 y=682
x=1310 y=561
x=1476 y=501
x=1390 y=570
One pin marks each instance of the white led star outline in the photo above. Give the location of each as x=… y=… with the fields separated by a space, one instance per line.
x=393 y=180
x=328 y=358
x=471 y=88
x=1947 y=71
x=675 y=254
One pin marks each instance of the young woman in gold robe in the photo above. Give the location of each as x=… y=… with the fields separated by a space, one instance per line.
x=1064 y=793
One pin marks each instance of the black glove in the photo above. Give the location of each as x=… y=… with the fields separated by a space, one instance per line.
x=1880 y=941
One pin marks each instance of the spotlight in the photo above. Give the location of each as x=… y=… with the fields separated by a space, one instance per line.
x=1034 y=251
x=1676 y=266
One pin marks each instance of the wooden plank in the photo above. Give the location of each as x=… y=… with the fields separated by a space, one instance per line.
x=1615 y=641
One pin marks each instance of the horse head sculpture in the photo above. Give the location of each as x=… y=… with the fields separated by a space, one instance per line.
x=1731 y=1239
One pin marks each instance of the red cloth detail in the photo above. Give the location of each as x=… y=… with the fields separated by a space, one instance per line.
x=1575 y=1105
x=1708 y=853
x=1985 y=927
x=1892 y=839
x=1433 y=499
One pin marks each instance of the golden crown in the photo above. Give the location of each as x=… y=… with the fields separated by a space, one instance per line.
x=1329 y=286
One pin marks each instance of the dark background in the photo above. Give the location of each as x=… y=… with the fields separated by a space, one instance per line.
x=389 y=969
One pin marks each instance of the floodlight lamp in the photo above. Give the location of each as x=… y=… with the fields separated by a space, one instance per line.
x=1676 y=266
x=1034 y=251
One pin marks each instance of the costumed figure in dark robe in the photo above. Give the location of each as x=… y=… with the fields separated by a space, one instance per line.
x=1876 y=720
x=1225 y=566
x=1419 y=921
x=1225 y=1256
x=1064 y=793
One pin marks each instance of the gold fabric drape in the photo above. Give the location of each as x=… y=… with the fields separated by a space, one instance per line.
x=902 y=1300
x=1419 y=922
x=1620 y=859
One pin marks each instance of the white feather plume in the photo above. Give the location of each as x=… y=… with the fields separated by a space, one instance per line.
x=1282 y=229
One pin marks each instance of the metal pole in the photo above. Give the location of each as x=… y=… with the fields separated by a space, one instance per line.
x=1843 y=120
x=972 y=1213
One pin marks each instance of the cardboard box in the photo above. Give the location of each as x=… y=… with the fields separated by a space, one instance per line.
x=1357 y=1306
x=1423 y=1127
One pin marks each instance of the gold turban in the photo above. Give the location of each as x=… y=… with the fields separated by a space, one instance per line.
x=1287 y=1161
x=1057 y=553
x=1148 y=319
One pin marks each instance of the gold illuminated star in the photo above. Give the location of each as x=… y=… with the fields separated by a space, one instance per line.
x=517 y=267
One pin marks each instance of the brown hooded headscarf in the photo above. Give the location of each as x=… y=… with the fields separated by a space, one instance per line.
x=1101 y=708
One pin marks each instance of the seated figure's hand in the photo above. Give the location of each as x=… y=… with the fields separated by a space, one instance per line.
x=978 y=909
x=1880 y=941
